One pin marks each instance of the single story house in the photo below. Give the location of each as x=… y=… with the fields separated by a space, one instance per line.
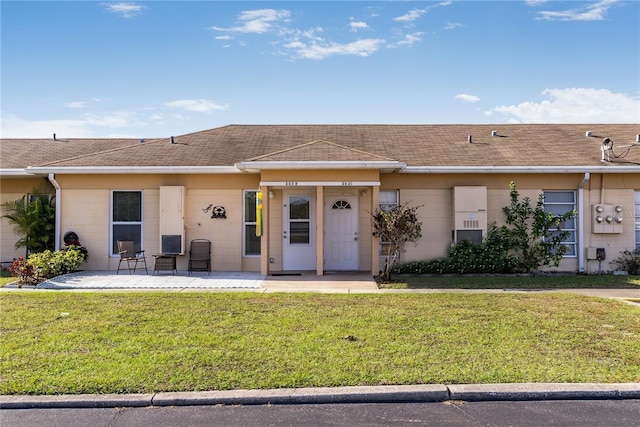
x=319 y=185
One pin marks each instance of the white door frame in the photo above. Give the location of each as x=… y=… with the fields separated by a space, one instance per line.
x=300 y=255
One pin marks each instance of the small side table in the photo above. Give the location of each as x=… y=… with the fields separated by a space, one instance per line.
x=165 y=262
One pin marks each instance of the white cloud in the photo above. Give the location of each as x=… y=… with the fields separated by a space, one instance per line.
x=467 y=98
x=126 y=10
x=355 y=26
x=453 y=26
x=257 y=21
x=410 y=39
x=535 y=2
x=82 y=127
x=317 y=51
x=575 y=105
x=591 y=12
x=16 y=127
x=196 y=105
x=417 y=13
x=411 y=16
x=114 y=119
x=76 y=104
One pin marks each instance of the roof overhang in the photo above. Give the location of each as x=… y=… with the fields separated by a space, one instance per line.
x=120 y=170
x=383 y=166
x=522 y=169
x=17 y=173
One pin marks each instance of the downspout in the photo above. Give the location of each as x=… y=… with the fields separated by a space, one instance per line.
x=52 y=180
x=581 y=214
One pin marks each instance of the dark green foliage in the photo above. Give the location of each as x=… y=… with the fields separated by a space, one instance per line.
x=532 y=235
x=33 y=220
x=530 y=239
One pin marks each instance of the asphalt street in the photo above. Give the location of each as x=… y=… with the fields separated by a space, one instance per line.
x=566 y=413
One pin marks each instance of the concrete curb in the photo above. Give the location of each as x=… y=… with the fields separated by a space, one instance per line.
x=544 y=391
x=359 y=394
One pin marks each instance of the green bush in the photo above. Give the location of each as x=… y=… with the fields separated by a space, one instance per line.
x=54 y=263
x=490 y=256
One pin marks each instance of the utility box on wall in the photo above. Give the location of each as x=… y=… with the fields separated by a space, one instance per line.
x=606 y=218
x=172 y=219
x=470 y=213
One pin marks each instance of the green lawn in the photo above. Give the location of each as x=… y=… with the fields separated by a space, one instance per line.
x=513 y=282
x=145 y=342
x=4 y=280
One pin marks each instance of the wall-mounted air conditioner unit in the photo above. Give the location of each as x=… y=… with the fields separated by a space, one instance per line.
x=470 y=213
x=172 y=219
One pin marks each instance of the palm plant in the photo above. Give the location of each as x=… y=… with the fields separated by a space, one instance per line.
x=33 y=219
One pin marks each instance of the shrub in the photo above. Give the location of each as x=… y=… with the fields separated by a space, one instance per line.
x=66 y=260
x=464 y=257
x=33 y=219
x=24 y=271
x=629 y=261
x=396 y=227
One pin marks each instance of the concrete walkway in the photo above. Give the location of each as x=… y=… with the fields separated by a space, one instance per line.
x=255 y=282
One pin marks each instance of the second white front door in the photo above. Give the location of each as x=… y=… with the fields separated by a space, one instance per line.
x=298 y=231
x=341 y=233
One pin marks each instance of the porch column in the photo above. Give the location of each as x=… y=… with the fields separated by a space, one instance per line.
x=375 y=241
x=319 y=230
x=264 y=240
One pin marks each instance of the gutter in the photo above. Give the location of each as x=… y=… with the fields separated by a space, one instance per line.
x=521 y=169
x=581 y=214
x=52 y=180
x=95 y=170
x=18 y=173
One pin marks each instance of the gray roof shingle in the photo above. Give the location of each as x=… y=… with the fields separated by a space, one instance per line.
x=535 y=145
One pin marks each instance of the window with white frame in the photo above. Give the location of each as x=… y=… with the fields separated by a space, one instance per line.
x=559 y=203
x=251 y=246
x=388 y=199
x=126 y=218
x=637 y=204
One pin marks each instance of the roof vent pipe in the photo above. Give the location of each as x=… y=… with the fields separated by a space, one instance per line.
x=469 y=139
x=494 y=133
x=54 y=137
x=172 y=141
x=588 y=134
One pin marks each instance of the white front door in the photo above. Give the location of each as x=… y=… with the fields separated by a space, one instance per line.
x=299 y=231
x=341 y=233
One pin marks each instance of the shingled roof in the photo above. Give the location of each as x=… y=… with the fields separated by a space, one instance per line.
x=524 y=145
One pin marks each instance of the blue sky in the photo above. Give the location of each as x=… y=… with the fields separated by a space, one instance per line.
x=159 y=68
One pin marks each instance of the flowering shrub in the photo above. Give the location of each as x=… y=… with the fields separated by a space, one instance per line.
x=23 y=271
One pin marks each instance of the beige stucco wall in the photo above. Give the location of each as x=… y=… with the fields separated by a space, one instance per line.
x=85 y=205
x=612 y=189
x=433 y=192
x=86 y=210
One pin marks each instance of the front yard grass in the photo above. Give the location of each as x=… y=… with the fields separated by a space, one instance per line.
x=472 y=281
x=55 y=343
